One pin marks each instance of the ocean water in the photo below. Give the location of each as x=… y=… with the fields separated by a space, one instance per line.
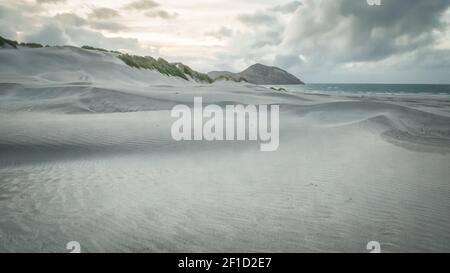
x=370 y=89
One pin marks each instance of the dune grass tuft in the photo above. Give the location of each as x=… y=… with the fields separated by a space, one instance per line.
x=194 y=74
x=94 y=48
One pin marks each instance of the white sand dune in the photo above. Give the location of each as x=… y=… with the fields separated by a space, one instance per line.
x=86 y=155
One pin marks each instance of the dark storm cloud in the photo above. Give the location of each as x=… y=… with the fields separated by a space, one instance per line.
x=402 y=26
x=357 y=32
x=344 y=40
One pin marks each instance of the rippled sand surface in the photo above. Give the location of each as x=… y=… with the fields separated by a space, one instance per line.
x=95 y=163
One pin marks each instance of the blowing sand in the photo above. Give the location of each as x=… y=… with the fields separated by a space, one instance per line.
x=86 y=155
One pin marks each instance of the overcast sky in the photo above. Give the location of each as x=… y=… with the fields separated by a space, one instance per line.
x=317 y=40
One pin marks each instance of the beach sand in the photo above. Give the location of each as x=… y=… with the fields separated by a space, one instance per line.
x=86 y=155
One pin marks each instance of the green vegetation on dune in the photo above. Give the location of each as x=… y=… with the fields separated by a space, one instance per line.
x=15 y=44
x=161 y=65
x=164 y=67
x=99 y=49
x=278 y=89
x=194 y=74
x=31 y=45
x=4 y=42
x=94 y=48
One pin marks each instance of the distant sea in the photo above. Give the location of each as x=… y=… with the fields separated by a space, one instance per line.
x=370 y=89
